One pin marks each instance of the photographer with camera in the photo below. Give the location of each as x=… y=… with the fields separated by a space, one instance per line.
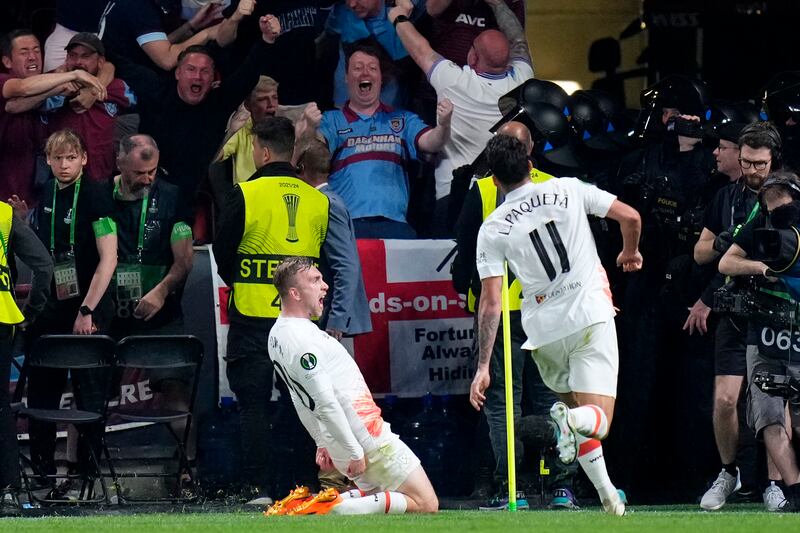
x=757 y=152
x=767 y=248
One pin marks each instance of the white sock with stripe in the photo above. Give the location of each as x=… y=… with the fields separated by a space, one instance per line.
x=590 y=457
x=379 y=503
x=589 y=421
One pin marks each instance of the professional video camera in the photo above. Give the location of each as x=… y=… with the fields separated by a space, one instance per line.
x=743 y=297
x=778 y=385
x=755 y=297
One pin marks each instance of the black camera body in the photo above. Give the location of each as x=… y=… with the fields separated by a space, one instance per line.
x=686 y=128
x=746 y=300
x=781 y=385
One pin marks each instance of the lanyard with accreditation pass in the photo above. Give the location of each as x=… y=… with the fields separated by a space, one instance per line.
x=128 y=276
x=142 y=219
x=65 y=272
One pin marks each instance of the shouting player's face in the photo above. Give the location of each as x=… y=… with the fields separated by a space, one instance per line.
x=312 y=290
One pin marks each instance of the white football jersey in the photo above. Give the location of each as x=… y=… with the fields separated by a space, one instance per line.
x=542 y=231
x=327 y=388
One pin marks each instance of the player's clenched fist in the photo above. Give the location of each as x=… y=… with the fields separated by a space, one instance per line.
x=630 y=262
x=270 y=28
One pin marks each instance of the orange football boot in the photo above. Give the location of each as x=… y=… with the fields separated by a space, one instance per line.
x=322 y=503
x=295 y=498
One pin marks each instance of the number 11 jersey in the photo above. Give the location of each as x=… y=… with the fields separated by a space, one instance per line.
x=541 y=229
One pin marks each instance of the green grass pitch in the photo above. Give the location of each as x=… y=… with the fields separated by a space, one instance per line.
x=642 y=520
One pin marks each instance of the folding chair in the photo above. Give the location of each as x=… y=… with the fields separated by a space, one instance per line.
x=176 y=357
x=72 y=353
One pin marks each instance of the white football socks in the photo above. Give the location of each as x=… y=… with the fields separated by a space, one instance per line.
x=380 y=503
x=590 y=421
x=353 y=493
x=590 y=457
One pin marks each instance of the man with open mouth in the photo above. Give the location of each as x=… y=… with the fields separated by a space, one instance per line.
x=22 y=90
x=372 y=145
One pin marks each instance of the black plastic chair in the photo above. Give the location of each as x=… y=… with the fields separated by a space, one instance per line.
x=71 y=353
x=172 y=357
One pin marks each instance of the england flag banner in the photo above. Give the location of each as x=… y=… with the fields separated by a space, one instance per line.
x=422 y=337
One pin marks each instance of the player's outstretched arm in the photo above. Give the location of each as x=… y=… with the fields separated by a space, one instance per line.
x=630 y=225
x=489 y=309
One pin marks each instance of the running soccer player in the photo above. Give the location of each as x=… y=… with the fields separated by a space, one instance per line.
x=336 y=407
x=567 y=314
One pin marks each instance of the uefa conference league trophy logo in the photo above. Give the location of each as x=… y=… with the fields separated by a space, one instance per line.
x=291 y=201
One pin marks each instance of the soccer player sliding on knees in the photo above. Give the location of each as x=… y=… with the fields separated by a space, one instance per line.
x=542 y=231
x=336 y=407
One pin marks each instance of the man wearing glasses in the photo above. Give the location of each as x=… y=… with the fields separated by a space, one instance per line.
x=759 y=154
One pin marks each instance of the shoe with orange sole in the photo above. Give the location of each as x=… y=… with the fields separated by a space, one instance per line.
x=322 y=503
x=296 y=497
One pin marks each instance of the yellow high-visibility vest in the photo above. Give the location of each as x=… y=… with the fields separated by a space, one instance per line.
x=283 y=217
x=9 y=312
x=489 y=197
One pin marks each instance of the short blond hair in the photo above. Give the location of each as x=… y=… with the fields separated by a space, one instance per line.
x=265 y=84
x=63 y=141
x=285 y=273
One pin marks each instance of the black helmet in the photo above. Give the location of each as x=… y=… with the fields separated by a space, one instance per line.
x=535 y=90
x=722 y=111
x=727 y=119
x=592 y=125
x=781 y=98
x=689 y=96
x=552 y=137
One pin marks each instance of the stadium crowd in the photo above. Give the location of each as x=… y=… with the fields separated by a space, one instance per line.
x=152 y=121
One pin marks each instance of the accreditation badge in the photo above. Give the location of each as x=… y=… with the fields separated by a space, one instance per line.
x=65 y=275
x=128 y=284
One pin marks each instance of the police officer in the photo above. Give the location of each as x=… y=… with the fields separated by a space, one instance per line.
x=16 y=239
x=271 y=216
x=665 y=180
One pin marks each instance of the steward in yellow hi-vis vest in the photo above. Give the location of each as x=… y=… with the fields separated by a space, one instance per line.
x=490 y=199
x=283 y=216
x=9 y=312
x=265 y=219
x=18 y=240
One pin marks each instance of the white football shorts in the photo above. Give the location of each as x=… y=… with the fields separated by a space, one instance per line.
x=388 y=465
x=586 y=361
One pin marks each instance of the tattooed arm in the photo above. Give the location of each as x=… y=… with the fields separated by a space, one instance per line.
x=488 y=320
x=509 y=24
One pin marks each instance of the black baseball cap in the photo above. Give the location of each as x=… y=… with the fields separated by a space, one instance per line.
x=89 y=40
